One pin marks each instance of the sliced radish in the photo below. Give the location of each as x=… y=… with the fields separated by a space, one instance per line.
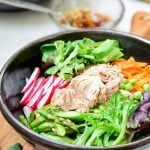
x=51 y=95
x=33 y=76
x=46 y=97
x=58 y=80
x=64 y=84
x=48 y=83
x=36 y=97
x=49 y=92
x=27 y=110
x=25 y=99
x=40 y=83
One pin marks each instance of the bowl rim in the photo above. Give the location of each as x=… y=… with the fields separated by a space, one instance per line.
x=113 y=24
x=37 y=138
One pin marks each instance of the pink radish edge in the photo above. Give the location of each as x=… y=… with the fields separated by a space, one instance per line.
x=35 y=99
x=45 y=98
x=49 y=93
x=39 y=84
x=26 y=98
x=33 y=76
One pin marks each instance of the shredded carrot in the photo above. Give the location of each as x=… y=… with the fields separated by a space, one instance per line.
x=135 y=70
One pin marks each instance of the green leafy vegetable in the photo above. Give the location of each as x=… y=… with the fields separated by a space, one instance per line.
x=105 y=125
x=70 y=57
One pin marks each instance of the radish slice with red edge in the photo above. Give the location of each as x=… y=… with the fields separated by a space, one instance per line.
x=40 y=83
x=64 y=84
x=33 y=76
x=49 y=92
x=26 y=98
x=46 y=97
x=48 y=83
x=57 y=81
x=27 y=111
x=35 y=98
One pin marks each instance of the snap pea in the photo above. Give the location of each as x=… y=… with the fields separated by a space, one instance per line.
x=39 y=120
x=44 y=127
x=47 y=107
x=69 y=130
x=24 y=121
x=31 y=117
x=58 y=138
x=59 y=130
x=67 y=122
x=45 y=114
x=72 y=115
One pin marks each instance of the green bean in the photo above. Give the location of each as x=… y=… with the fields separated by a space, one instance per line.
x=45 y=114
x=24 y=121
x=31 y=117
x=59 y=130
x=69 y=130
x=44 y=127
x=47 y=107
x=58 y=138
x=50 y=108
x=39 y=120
x=68 y=123
x=72 y=115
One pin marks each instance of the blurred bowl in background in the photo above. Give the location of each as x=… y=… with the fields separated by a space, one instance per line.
x=114 y=9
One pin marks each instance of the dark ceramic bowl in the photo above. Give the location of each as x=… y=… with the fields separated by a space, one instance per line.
x=20 y=65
